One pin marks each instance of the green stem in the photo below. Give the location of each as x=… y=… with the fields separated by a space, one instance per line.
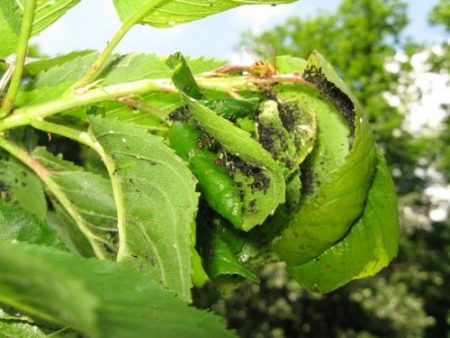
x=74 y=134
x=126 y=26
x=45 y=175
x=22 y=46
x=24 y=116
x=119 y=202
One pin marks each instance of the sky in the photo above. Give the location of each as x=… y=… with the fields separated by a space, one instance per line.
x=92 y=23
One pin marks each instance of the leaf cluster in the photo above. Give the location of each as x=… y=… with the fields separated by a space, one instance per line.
x=190 y=171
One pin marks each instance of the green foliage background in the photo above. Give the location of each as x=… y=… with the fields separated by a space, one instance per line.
x=410 y=298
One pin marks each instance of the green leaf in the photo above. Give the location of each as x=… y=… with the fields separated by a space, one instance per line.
x=10 y=22
x=18 y=224
x=20 y=185
x=53 y=82
x=20 y=330
x=173 y=12
x=182 y=76
x=83 y=201
x=370 y=245
x=259 y=202
x=35 y=67
x=297 y=117
x=222 y=262
x=30 y=284
x=11 y=11
x=156 y=202
x=118 y=302
x=337 y=174
x=261 y=180
x=48 y=84
x=16 y=325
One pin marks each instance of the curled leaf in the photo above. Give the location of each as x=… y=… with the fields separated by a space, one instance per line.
x=337 y=174
x=369 y=246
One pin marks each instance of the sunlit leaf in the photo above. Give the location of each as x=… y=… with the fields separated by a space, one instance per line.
x=11 y=11
x=174 y=12
x=369 y=246
x=337 y=174
x=156 y=201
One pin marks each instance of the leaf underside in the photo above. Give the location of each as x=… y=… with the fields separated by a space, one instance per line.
x=158 y=199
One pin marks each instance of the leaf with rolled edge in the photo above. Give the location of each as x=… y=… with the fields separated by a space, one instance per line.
x=89 y=196
x=169 y=13
x=157 y=202
x=369 y=246
x=255 y=172
x=182 y=76
x=20 y=225
x=286 y=129
x=296 y=117
x=337 y=174
x=221 y=262
x=20 y=185
x=97 y=298
x=11 y=11
x=260 y=177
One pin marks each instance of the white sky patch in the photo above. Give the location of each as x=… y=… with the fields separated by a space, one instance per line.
x=89 y=25
x=440 y=199
x=256 y=18
x=424 y=92
x=427 y=112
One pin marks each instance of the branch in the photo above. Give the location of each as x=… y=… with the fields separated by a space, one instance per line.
x=228 y=84
x=22 y=46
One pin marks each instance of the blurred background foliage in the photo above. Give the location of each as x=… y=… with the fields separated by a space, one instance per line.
x=365 y=41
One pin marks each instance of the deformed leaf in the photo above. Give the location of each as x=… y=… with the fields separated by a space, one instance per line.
x=156 y=202
x=259 y=185
x=222 y=262
x=369 y=246
x=259 y=175
x=169 y=13
x=337 y=174
x=100 y=299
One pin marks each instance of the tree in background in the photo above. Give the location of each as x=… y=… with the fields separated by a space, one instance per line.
x=410 y=299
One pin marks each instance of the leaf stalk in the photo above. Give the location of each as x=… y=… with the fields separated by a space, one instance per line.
x=22 y=47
